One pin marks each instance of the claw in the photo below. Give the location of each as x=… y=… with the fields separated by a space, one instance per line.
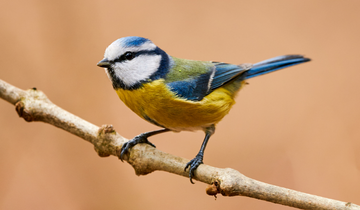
x=187 y=165
x=191 y=174
x=124 y=149
x=130 y=144
x=193 y=164
x=149 y=143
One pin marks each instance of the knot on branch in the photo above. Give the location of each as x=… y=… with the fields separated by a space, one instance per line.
x=213 y=189
x=233 y=182
x=22 y=112
x=24 y=107
x=105 y=141
x=105 y=129
x=140 y=159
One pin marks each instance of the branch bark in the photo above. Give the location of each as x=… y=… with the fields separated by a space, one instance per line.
x=33 y=105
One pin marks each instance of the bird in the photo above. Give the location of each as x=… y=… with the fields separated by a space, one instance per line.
x=178 y=94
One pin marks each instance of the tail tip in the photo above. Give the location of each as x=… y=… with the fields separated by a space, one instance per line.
x=305 y=59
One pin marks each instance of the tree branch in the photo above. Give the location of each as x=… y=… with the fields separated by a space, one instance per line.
x=33 y=105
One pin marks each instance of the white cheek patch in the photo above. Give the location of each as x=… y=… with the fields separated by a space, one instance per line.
x=137 y=69
x=117 y=48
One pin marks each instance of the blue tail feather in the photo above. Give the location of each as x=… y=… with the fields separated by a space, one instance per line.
x=274 y=64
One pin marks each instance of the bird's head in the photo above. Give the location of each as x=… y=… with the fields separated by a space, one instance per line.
x=131 y=61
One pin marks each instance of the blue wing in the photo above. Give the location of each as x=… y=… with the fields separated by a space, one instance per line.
x=195 y=89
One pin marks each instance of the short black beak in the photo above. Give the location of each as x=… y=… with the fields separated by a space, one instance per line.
x=104 y=63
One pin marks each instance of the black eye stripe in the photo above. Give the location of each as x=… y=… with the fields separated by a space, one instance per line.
x=123 y=57
x=126 y=56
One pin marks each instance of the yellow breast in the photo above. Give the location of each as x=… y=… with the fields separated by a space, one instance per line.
x=156 y=102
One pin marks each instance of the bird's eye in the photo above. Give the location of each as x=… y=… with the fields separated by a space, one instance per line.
x=129 y=55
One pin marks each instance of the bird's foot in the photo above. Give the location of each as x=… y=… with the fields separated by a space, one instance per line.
x=193 y=164
x=142 y=138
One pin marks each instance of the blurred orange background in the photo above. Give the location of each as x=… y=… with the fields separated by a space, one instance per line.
x=297 y=128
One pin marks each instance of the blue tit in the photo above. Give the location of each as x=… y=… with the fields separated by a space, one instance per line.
x=178 y=94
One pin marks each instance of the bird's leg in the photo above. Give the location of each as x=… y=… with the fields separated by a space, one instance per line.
x=194 y=163
x=141 y=138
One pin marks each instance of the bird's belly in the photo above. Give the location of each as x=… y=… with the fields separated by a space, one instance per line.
x=157 y=104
